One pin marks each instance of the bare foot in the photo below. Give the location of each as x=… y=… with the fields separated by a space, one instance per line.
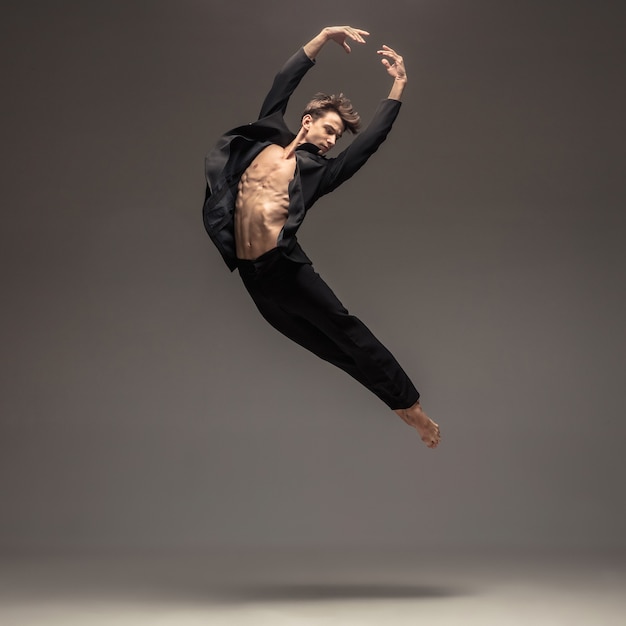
x=428 y=430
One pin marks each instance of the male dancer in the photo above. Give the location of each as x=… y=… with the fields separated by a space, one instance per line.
x=261 y=181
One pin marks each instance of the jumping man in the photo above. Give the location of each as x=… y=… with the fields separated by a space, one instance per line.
x=261 y=181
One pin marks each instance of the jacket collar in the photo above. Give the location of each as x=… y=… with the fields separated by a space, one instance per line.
x=309 y=147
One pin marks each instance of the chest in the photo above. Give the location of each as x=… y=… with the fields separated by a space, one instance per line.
x=270 y=167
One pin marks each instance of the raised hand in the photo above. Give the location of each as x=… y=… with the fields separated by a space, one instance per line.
x=339 y=34
x=395 y=69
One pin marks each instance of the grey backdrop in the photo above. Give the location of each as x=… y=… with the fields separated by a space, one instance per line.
x=144 y=401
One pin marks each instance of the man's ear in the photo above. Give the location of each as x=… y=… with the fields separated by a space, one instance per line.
x=306 y=121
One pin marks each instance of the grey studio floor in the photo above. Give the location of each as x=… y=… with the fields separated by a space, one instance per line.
x=294 y=587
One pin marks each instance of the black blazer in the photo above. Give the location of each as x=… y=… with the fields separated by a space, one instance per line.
x=315 y=174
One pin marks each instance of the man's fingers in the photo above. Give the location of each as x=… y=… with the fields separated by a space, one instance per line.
x=356 y=34
x=359 y=32
x=389 y=53
x=386 y=63
x=340 y=33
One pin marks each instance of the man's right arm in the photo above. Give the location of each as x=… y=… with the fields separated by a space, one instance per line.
x=338 y=34
x=285 y=83
x=289 y=77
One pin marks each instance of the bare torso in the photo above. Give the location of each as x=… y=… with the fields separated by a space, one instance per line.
x=261 y=208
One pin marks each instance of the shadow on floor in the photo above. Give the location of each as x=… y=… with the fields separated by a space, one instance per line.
x=324 y=592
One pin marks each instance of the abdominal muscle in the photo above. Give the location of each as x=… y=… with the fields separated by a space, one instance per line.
x=262 y=204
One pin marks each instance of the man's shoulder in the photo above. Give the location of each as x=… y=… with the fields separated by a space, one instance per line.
x=270 y=129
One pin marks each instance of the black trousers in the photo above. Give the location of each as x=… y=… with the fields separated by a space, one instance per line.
x=298 y=303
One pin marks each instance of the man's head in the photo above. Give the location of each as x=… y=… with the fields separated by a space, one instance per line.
x=325 y=118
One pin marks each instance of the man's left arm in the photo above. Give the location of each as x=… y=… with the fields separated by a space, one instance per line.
x=396 y=70
x=348 y=162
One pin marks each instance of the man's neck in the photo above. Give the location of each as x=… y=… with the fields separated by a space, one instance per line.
x=298 y=141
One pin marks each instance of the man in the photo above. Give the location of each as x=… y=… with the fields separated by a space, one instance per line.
x=261 y=181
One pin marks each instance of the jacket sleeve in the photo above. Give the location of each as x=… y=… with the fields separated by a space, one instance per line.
x=348 y=162
x=285 y=83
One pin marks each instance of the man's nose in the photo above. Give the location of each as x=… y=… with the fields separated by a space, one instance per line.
x=331 y=140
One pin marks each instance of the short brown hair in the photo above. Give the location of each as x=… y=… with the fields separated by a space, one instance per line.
x=322 y=103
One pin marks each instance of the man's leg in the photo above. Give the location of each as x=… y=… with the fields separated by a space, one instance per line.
x=305 y=334
x=298 y=303
x=385 y=376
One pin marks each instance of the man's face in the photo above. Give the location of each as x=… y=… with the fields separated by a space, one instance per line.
x=323 y=131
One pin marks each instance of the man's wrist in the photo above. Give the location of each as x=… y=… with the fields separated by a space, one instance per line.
x=397 y=88
x=314 y=46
